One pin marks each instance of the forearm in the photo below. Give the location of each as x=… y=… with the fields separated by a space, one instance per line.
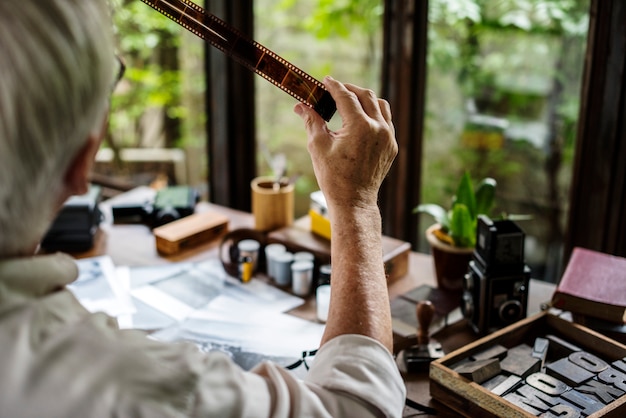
x=359 y=298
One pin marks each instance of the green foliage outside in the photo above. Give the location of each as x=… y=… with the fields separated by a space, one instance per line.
x=155 y=50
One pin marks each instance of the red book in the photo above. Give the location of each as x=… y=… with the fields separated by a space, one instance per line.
x=593 y=284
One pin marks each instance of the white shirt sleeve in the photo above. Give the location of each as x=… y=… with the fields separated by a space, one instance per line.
x=58 y=360
x=351 y=376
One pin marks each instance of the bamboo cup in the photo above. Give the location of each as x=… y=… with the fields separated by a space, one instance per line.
x=272 y=203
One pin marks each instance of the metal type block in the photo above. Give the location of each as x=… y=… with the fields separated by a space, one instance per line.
x=518 y=401
x=536 y=398
x=560 y=348
x=520 y=362
x=496 y=351
x=600 y=391
x=546 y=383
x=561 y=411
x=568 y=372
x=508 y=385
x=586 y=404
x=619 y=365
x=613 y=377
x=588 y=361
x=494 y=381
x=480 y=370
x=540 y=349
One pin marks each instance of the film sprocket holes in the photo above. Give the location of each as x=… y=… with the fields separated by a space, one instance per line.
x=495 y=288
x=169 y=204
x=251 y=54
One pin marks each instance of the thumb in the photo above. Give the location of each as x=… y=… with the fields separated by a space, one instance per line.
x=313 y=123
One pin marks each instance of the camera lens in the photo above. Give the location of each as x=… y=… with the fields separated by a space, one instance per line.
x=510 y=311
x=166 y=215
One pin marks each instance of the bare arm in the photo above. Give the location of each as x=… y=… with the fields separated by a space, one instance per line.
x=350 y=165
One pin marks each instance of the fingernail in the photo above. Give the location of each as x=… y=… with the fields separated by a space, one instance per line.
x=328 y=78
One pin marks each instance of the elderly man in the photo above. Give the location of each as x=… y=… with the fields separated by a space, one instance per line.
x=57 y=69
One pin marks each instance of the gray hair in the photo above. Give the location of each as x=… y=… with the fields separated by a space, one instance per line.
x=56 y=71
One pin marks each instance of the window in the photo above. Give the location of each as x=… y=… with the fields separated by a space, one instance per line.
x=342 y=39
x=157 y=123
x=502 y=100
x=502 y=91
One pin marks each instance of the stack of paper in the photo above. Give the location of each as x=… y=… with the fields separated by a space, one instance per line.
x=199 y=302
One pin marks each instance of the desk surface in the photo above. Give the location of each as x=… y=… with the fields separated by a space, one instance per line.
x=134 y=245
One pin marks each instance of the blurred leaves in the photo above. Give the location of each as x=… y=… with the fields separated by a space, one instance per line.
x=340 y=17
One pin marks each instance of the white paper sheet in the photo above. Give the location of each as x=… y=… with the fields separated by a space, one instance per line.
x=99 y=289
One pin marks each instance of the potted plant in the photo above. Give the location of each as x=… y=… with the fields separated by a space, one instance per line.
x=453 y=237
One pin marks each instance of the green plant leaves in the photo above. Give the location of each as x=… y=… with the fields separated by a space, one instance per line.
x=465 y=195
x=462 y=226
x=460 y=222
x=437 y=212
x=485 y=196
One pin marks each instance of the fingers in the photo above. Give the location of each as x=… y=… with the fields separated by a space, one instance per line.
x=368 y=100
x=313 y=123
x=352 y=99
x=352 y=102
x=312 y=120
x=347 y=102
x=385 y=110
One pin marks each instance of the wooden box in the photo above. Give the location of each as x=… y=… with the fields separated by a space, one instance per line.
x=298 y=237
x=471 y=399
x=189 y=231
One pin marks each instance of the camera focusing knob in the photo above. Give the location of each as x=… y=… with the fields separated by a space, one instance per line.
x=467 y=305
x=469 y=282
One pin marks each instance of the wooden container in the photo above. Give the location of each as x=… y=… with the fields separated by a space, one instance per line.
x=298 y=237
x=272 y=203
x=189 y=232
x=470 y=399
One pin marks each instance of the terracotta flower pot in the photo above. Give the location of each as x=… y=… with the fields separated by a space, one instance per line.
x=451 y=263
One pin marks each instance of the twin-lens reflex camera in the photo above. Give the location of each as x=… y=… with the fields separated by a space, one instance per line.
x=495 y=289
x=169 y=204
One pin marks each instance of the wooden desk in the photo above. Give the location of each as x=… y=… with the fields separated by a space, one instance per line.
x=134 y=245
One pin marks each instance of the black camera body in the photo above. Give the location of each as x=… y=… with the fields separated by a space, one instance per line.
x=495 y=289
x=169 y=204
x=74 y=228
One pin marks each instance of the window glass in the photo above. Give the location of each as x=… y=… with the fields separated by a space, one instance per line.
x=157 y=127
x=502 y=101
x=342 y=39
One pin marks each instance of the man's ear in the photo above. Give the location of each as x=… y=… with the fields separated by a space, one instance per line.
x=77 y=175
x=76 y=180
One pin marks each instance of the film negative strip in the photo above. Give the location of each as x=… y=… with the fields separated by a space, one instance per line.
x=253 y=55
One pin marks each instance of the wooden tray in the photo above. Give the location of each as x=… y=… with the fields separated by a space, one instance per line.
x=470 y=399
x=298 y=237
